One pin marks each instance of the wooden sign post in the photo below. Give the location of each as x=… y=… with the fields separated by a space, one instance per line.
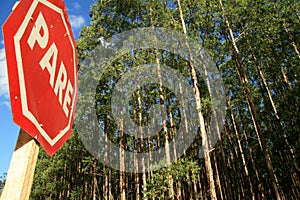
x=21 y=171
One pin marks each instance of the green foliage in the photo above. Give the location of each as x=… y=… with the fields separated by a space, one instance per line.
x=183 y=172
x=62 y=175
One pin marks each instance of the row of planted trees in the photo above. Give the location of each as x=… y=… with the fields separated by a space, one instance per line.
x=255 y=45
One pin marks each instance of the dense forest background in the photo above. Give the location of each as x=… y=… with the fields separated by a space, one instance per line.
x=256 y=46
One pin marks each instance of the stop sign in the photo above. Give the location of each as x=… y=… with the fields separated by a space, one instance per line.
x=42 y=69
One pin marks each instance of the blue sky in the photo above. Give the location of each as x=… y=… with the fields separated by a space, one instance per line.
x=79 y=15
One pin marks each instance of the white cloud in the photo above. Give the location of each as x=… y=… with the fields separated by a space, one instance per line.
x=5 y=103
x=76 y=5
x=3 y=75
x=76 y=21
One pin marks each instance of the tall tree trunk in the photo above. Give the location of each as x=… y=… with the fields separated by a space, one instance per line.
x=205 y=145
x=144 y=178
x=252 y=157
x=238 y=186
x=105 y=194
x=261 y=74
x=241 y=149
x=95 y=181
x=122 y=156
x=252 y=108
x=165 y=130
x=171 y=191
x=136 y=164
x=110 y=196
x=218 y=177
x=291 y=39
x=172 y=133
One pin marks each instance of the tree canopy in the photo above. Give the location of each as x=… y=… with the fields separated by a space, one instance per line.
x=254 y=44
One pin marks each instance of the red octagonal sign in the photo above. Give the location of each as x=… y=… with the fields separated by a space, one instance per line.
x=42 y=70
